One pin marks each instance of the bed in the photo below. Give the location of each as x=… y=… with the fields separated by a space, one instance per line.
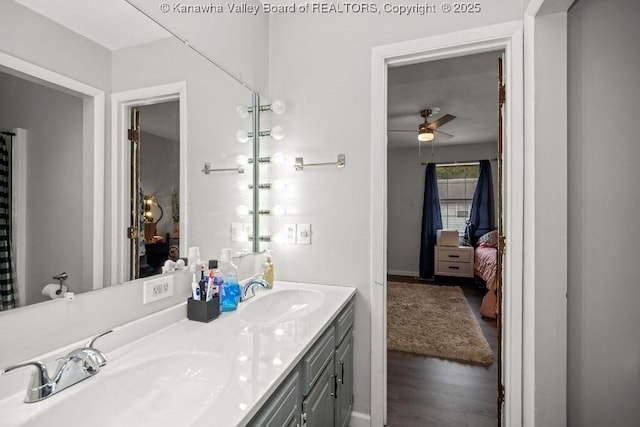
x=485 y=266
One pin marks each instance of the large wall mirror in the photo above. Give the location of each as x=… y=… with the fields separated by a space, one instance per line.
x=74 y=78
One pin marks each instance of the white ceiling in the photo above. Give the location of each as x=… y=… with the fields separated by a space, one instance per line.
x=113 y=24
x=465 y=87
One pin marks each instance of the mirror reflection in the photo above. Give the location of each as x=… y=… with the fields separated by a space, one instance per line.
x=71 y=74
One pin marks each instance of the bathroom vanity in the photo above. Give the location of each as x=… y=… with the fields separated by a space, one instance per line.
x=285 y=357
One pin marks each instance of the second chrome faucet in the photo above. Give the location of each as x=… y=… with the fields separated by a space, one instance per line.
x=76 y=366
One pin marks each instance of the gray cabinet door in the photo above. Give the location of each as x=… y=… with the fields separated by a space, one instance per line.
x=283 y=408
x=318 y=406
x=344 y=381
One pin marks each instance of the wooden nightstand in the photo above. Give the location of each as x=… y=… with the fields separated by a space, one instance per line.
x=454 y=261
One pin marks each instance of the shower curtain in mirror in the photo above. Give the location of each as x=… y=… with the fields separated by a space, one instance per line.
x=7 y=291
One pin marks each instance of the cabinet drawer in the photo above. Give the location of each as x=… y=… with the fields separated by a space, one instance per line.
x=454 y=255
x=316 y=359
x=454 y=268
x=344 y=322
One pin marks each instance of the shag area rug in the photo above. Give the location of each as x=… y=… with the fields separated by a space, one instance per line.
x=434 y=321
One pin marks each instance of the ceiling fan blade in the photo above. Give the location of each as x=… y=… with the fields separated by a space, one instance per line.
x=443 y=135
x=441 y=121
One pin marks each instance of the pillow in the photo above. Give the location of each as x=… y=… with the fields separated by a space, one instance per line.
x=489 y=240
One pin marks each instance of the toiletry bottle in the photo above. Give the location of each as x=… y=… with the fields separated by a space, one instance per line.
x=195 y=289
x=218 y=283
x=267 y=271
x=229 y=302
x=234 y=286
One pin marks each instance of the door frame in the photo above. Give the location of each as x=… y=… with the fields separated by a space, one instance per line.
x=508 y=37
x=121 y=102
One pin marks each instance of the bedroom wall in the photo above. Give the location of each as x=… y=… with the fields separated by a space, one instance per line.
x=603 y=292
x=405 y=189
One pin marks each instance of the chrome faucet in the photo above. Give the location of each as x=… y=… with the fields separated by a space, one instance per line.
x=76 y=366
x=251 y=286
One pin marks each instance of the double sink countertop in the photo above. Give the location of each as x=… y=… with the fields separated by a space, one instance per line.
x=192 y=373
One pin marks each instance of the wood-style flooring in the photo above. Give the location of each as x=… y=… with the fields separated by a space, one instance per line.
x=426 y=391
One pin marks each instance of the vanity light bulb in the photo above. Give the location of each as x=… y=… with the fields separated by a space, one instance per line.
x=242 y=211
x=279 y=185
x=278 y=158
x=278 y=210
x=278 y=106
x=242 y=160
x=279 y=238
x=243 y=111
x=243 y=187
x=277 y=132
x=242 y=136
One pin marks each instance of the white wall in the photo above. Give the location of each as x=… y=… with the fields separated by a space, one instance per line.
x=33 y=38
x=238 y=42
x=54 y=182
x=603 y=316
x=324 y=72
x=405 y=189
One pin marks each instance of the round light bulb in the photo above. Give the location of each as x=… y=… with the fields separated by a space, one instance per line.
x=242 y=211
x=279 y=185
x=278 y=210
x=242 y=160
x=243 y=111
x=243 y=187
x=242 y=136
x=277 y=132
x=278 y=106
x=278 y=158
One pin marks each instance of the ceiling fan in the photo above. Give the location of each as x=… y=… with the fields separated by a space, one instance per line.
x=426 y=130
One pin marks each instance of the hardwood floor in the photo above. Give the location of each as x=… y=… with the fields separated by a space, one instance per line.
x=426 y=391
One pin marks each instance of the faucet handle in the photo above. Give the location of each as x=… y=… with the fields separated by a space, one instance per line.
x=40 y=383
x=97 y=355
x=94 y=339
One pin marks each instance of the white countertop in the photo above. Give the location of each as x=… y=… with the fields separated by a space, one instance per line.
x=250 y=360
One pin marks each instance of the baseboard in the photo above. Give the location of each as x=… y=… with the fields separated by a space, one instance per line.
x=403 y=273
x=358 y=419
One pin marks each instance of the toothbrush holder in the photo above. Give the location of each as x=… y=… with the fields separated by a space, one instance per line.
x=203 y=311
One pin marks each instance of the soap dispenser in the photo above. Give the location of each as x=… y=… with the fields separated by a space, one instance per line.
x=267 y=271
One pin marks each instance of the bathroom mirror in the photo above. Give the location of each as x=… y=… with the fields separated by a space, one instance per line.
x=71 y=73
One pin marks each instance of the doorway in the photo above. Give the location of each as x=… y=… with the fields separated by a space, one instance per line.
x=433 y=378
x=503 y=36
x=159 y=200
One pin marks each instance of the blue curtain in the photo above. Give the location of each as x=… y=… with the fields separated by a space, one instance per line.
x=481 y=215
x=431 y=221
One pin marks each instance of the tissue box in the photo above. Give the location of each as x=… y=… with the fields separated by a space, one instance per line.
x=448 y=238
x=203 y=311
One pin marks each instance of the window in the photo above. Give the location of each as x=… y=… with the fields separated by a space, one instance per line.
x=456 y=185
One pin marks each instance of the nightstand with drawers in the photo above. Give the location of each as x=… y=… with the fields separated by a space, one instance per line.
x=454 y=261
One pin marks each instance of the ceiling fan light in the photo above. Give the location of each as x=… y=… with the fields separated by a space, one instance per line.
x=425 y=135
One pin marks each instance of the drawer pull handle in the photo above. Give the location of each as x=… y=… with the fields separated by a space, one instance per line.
x=454 y=256
x=454 y=267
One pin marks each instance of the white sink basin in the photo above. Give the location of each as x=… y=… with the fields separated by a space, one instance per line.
x=171 y=390
x=281 y=306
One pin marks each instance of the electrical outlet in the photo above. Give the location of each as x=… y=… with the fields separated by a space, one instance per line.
x=304 y=234
x=236 y=231
x=290 y=231
x=157 y=289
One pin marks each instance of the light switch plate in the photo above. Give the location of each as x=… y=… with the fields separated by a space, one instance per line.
x=236 y=231
x=291 y=233
x=304 y=234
